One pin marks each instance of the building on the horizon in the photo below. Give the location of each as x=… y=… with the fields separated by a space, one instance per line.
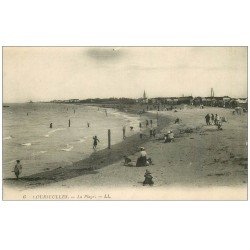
x=143 y=99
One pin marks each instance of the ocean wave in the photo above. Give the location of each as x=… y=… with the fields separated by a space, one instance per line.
x=57 y=129
x=26 y=144
x=9 y=162
x=82 y=139
x=42 y=152
x=53 y=131
x=69 y=148
x=7 y=138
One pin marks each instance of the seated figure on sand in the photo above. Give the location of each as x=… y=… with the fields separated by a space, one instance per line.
x=142 y=160
x=148 y=179
x=169 y=137
x=127 y=161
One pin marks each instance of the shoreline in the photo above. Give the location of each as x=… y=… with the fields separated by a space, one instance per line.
x=95 y=161
x=201 y=158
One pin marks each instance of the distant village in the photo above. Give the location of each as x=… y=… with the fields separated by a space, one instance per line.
x=214 y=101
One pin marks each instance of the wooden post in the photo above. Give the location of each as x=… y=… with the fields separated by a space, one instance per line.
x=109 y=139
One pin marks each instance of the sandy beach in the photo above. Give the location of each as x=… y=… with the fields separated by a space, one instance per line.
x=201 y=158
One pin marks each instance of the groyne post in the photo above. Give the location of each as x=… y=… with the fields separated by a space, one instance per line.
x=109 y=138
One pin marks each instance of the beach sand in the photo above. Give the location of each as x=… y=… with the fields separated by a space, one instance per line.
x=202 y=163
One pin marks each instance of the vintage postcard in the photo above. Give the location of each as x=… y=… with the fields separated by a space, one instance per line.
x=125 y=123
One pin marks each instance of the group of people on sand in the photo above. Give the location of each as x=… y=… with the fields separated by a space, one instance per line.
x=142 y=161
x=147 y=124
x=169 y=137
x=212 y=119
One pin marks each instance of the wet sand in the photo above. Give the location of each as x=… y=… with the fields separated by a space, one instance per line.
x=98 y=159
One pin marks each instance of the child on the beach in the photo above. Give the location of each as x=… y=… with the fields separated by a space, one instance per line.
x=177 y=120
x=127 y=161
x=148 y=179
x=17 y=169
x=95 y=142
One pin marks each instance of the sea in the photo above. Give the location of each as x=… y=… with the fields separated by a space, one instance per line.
x=27 y=135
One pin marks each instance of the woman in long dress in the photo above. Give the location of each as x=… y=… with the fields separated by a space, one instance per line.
x=142 y=160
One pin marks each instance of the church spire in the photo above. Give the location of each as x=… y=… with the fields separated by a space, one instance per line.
x=144 y=94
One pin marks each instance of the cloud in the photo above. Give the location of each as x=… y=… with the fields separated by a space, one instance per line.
x=104 y=54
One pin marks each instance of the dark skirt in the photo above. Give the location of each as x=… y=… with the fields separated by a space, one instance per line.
x=141 y=161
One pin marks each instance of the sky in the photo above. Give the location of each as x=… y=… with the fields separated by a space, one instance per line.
x=48 y=73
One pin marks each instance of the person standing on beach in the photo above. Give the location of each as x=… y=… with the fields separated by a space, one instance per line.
x=207 y=117
x=212 y=119
x=69 y=122
x=95 y=142
x=151 y=132
x=154 y=133
x=88 y=124
x=74 y=111
x=124 y=132
x=146 y=123
x=50 y=126
x=140 y=125
x=18 y=169
x=140 y=135
x=216 y=119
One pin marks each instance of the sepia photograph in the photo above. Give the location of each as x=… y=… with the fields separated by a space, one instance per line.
x=125 y=123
